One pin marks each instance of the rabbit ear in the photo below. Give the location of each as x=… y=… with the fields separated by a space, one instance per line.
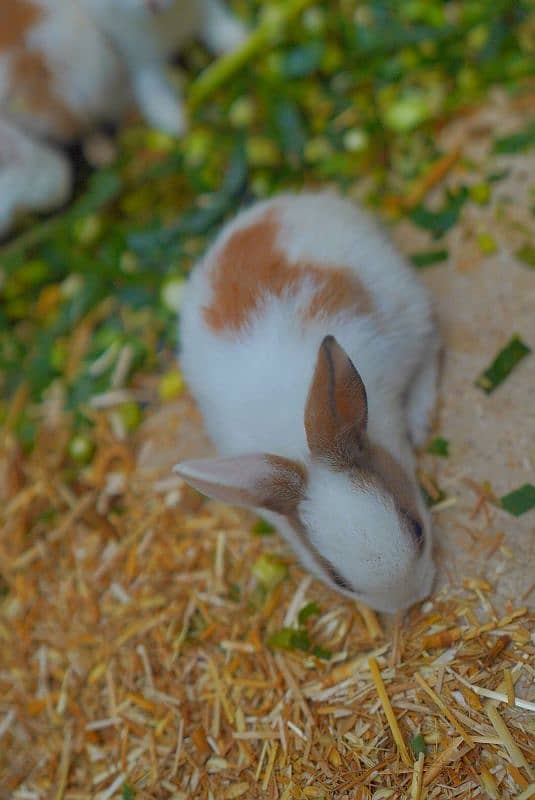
x=256 y=479
x=336 y=411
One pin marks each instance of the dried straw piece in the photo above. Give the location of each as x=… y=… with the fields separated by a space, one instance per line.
x=292 y=685
x=269 y=766
x=443 y=707
x=527 y=793
x=221 y=693
x=509 y=687
x=517 y=756
x=418 y=777
x=448 y=756
x=387 y=707
x=492 y=695
x=442 y=639
x=371 y=621
x=488 y=783
x=64 y=764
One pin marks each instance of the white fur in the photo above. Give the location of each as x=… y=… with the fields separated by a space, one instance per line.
x=252 y=385
x=103 y=57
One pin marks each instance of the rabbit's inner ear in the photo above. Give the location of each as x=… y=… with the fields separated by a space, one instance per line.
x=256 y=479
x=336 y=411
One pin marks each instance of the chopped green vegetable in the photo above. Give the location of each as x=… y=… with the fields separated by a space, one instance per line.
x=517 y=142
x=171 y=385
x=439 y=222
x=26 y=430
x=321 y=652
x=418 y=745
x=81 y=449
x=408 y=112
x=480 y=193
x=503 y=364
x=269 y=571
x=263 y=528
x=433 y=500
x=127 y=793
x=520 y=501
x=172 y=293
x=439 y=447
x=289 y=639
x=234 y=593
x=526 y=253
x=131 y=415
x=310 y=610
x=486 y=243
x=429 y=257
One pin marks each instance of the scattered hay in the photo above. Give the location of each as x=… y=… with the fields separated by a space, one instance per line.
x=134 y=658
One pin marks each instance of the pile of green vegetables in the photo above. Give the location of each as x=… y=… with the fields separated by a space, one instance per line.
x=324 y=92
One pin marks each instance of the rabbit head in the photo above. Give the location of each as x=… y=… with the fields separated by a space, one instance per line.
x=356 y=515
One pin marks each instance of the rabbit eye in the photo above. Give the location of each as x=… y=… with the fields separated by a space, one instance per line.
x=417 y=531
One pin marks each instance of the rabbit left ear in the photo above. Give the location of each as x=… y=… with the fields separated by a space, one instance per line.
x=258 y=480
x=336 y=411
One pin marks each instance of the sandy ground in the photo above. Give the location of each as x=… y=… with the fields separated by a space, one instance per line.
x=482 y=300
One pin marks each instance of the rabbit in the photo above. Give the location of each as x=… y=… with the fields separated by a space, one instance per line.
x=67 y=65
x=313 y=353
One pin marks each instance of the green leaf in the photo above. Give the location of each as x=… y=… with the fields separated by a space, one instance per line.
x=428 y=257
x=503 y=365
x=517 y=142
x=520 y=501
x=289 y=639
x=262 y=528
x=152 y=244
x=234 y=593
x=102 y=188
x=291 y=131
x=439 y=447
x=321 y=652
x=310 y=610
x=302 y=60
x=127 y=793
x=439 y=222
x=269 y=571
x=433 y=501
x=526 y=253
x=418 y=745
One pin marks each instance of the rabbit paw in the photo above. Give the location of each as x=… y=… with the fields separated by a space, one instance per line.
x=422 y=398
x=229 y=35
x=159 y=103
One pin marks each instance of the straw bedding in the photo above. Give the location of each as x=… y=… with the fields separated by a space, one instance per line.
x=135 y=660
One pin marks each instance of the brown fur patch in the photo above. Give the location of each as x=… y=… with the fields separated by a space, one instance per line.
x=17 y=17
x=380 y=466
x=34 y=96
x=336 y=409
x=252 y=266
x=286 y=487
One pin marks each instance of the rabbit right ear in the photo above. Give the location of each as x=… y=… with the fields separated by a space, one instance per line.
x=336 y=411
x=258 y=480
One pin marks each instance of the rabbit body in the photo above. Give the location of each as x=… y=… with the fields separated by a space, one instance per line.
x=312 y=351
x=67 y=65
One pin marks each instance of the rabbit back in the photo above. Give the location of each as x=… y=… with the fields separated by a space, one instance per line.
x=278 y=279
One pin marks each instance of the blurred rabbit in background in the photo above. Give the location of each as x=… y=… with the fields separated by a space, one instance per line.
x=67 y=65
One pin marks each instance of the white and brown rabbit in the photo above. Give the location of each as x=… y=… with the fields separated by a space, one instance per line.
x=66 y=65
x=312 y=351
